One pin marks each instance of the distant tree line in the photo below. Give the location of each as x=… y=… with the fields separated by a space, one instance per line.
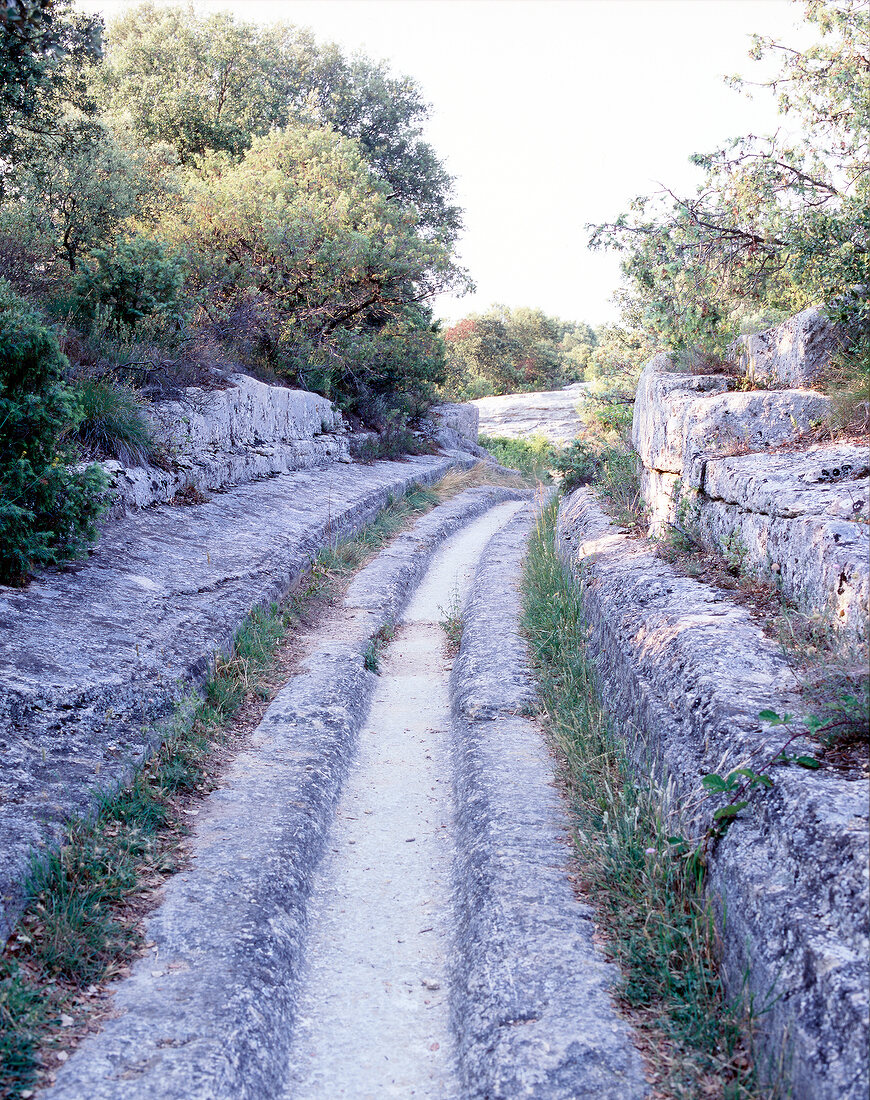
x=513 y=350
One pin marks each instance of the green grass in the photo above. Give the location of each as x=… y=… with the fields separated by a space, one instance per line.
x=78 y=929
x=111 y=421
x=533 y=457
x=650 y=904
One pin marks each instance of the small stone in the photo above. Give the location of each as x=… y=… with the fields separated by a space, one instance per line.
x=66 y=1021
x=430 y=983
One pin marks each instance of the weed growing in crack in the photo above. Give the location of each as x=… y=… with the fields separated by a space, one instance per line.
x=376 y=645
x=649 y=899
x=452 y=622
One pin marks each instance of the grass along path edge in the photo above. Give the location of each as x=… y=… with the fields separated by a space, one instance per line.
x=82 y=928
x=650 y=906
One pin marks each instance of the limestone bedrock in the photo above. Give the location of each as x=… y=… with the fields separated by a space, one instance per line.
x=93 y=655
x=551 y=414
x=794 y=353
x=220 y=437
x=730 y=468
x=684 y=674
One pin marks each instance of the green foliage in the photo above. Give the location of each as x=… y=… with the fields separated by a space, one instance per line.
x=317 y=271
x=649 y=898
x=79 y=190
x=452 y=622
x=773 y=225
x=44 y=48
x=138 y=278
x=213 y=84
x=47 y=508
x=110 y=421
x=513 y=350
x=376 y=646
x=533 y=457
x=612 y=467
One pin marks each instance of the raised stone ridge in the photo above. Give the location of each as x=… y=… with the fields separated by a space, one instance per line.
x=684 y=674
x=210 y=1014
x=93 y=655
x=532 y=1008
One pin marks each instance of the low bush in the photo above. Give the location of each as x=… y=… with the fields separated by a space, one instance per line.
x=613 y=468
x=533 y=457
x=111 y=423
x=47 y=506
x=137 y=278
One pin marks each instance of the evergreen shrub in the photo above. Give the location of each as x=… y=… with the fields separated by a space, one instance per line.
x=47 y=506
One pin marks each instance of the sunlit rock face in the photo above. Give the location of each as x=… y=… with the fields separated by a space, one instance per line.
x=731 y=468
x=551 y=414
x=795 y=353
x=218 y=438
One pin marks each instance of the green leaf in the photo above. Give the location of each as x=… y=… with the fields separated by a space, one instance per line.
x=769 y=716
x=808 y=762
x=733 y=810
x=714 y=782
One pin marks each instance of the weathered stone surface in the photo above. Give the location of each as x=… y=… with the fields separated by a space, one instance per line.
x=91 y=656
x=685 y=673
x=210 y=1014
x=663 y=396
x=828 y=479
x=464 y=419
x=680 y=419
x=551 y=414
x=531 y=1009
x=799 y=516
x=218 y=438
x=794 y=353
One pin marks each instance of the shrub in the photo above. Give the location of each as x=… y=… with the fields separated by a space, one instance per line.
x=137 y=278
x=47 y=509
x=111 y=421
x=613 y=469
x=532 y=457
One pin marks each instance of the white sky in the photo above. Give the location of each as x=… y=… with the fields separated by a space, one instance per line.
x=552 y=114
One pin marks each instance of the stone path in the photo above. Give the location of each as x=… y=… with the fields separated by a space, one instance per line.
x=374 y=1014
x=377 y=903
x=91 y=656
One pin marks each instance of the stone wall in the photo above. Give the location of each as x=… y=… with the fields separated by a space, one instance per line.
x=218 y=438
x=795 y=353
x=730 y=468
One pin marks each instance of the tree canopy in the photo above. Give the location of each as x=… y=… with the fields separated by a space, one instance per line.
x=508 y=350
x=777 y=222
x=213 y=84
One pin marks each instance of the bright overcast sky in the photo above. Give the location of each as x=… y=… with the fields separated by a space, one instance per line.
x=552 y=114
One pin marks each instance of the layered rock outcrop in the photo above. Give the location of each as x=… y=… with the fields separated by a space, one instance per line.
x=221 y=437
x=795 y=353
x=730 y=468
